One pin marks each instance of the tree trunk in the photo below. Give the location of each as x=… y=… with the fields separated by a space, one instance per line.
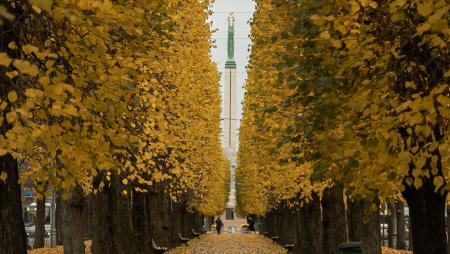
x=370 y=232
x=71 y=221
x=427 y=216
x=59 y=240
x=400 y=214
x=410 y=247
x=427 y=204
x=39 y=230
x=12 y=230
x=289 y=217
x=448 y=225
x=354 y=218
x=86 y=219
x=209 y=222
x=333 y=222
x=309 y=230
x=113 y=233
x=140 y=223
x=391 y=223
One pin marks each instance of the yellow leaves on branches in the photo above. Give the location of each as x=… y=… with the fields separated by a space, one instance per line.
x=343 y=90
x=100 y=86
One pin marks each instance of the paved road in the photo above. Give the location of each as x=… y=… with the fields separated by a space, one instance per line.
x=235 y=243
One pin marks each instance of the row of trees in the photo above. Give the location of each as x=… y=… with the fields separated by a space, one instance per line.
x=349 y=98
x=115 y=98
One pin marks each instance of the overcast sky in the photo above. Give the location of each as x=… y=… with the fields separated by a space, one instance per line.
x=243 y=12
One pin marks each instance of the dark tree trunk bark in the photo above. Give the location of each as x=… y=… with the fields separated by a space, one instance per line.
x=12 y=230
x=400 y=214
x=209 y=222
x=140 y=223
x=427 y=206
x=427 y=216
x=289 y=217
x=155 y=207
x=309 y=229
x=391 y=223
x=370 y=232
x=59 y=240
x=113 y=233
x=448 y=225
x=274 y=224
x=71 y=221
x=333 y=222
x=39 y=230
x=354 y=218
x=86 y=219
x=410 y=247
x=271 y=223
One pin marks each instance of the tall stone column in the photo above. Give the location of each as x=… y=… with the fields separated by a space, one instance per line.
x=230 y=128
x=229 y=95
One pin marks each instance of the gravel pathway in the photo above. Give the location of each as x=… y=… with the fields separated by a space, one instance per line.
x=235 y=243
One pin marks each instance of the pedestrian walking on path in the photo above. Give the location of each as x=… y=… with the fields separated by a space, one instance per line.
x=219 y=225
x=251 y=227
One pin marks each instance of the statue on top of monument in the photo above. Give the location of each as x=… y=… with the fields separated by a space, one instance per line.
x=230 y=39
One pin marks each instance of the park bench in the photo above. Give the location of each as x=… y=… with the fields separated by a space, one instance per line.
x=289 y=247
x=184 y=240
x=196 y=234
x=158 y=249
x=274 y=238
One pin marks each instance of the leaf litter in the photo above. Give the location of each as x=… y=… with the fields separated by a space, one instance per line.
x=58 y=250
x=212 y=243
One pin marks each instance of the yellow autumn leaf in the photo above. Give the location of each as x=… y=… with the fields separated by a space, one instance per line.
x=5 y=60
x=355 y=7
x=425 y=8
x=12 y=74
x=42 y=4
x=3 y=176
x=438 y=181
x=12 y=96
x=418 y=182
x=5 y=14
x=325 y=35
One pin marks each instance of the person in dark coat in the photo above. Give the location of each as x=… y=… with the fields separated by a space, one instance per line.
x=251 y=227
x=219 y=225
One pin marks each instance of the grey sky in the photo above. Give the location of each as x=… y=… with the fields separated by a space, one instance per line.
x=243 y=12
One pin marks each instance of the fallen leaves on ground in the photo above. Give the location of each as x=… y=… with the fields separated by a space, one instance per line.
x=213 y=243
x=231 y=243
x=58 y=250
x=387 y=250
